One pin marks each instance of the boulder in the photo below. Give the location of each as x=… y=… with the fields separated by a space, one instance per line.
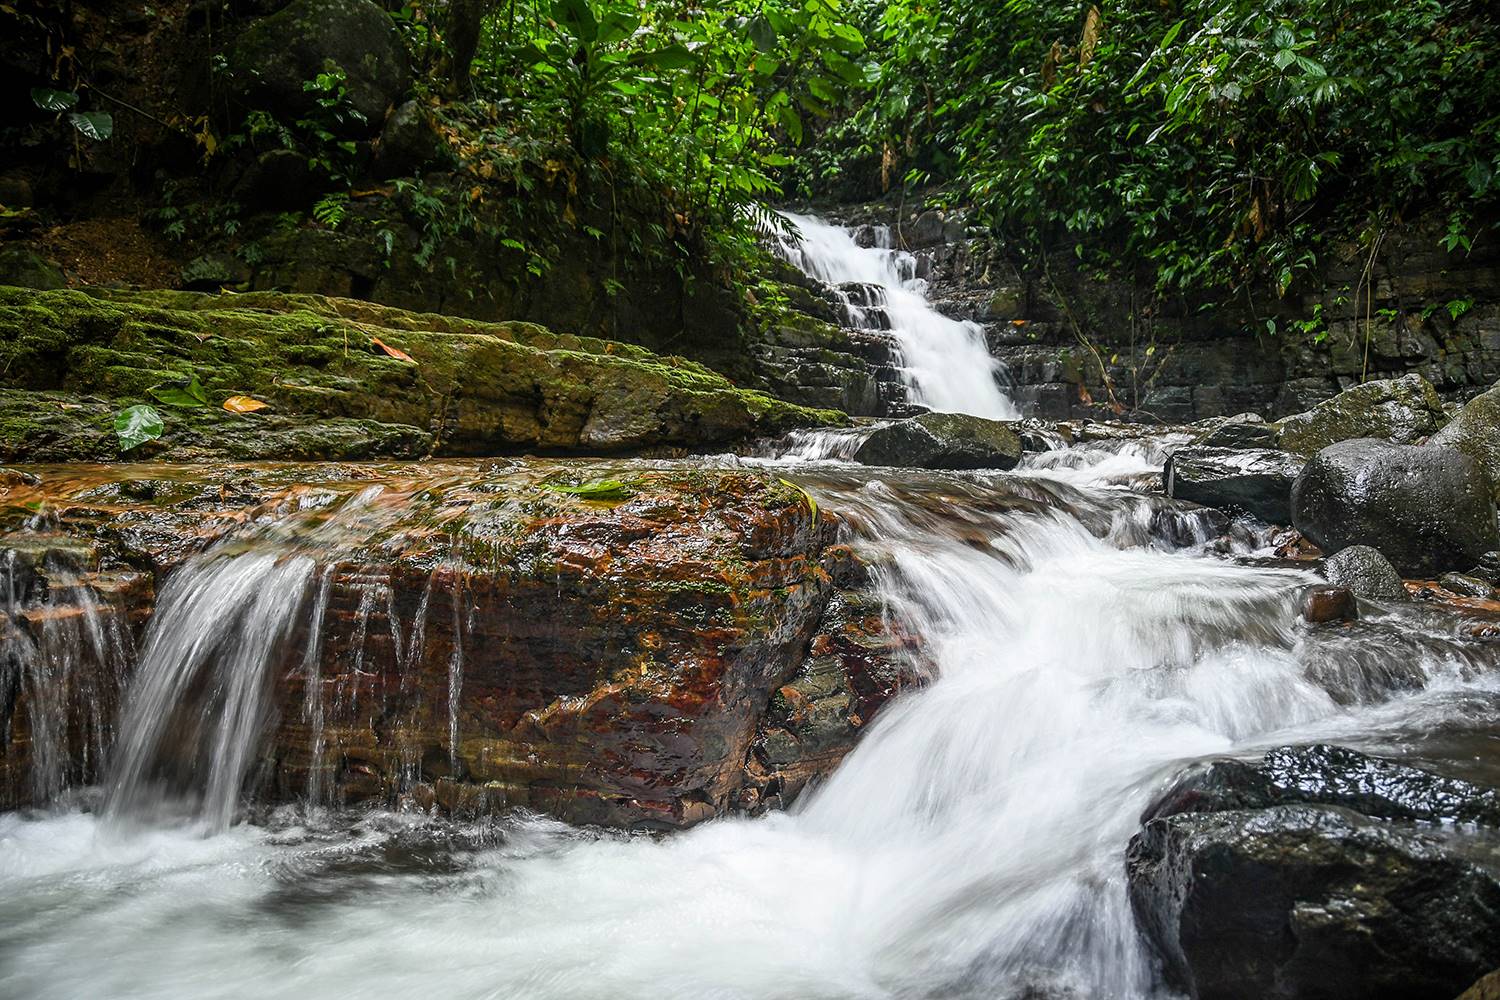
x=275 y=56
x=1475 y=431
x=1466 y=585
x=943 y=441
x=1403 y=410
x=213 y=271
x=1243 y=430
x=1487 y=988
x=408 y=144
x=25 y=268
x=1366 y=573
x=279 y=180
x=1255 y=481
x=1301 y=901
x=1426 y=509
x=1323 y=603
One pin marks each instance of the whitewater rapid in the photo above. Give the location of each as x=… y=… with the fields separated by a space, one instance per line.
x=971 y=846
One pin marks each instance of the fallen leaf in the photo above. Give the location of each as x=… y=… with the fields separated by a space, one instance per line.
x=244 y=404
x=394 y=352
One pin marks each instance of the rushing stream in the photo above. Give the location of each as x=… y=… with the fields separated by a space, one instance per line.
x=1087 y=642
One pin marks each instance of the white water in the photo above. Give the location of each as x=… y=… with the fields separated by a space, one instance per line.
x=945 y=363
x=970 y=847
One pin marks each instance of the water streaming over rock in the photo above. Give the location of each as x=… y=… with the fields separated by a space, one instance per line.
x=945 y=363
x=971 y=846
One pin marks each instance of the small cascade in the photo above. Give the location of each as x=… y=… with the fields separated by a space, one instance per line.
x=945 y=364
x=65 y=650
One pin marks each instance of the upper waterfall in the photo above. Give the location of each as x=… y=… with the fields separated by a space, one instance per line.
x=945 y=362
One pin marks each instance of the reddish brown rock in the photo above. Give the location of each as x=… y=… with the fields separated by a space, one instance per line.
x=1329 y=604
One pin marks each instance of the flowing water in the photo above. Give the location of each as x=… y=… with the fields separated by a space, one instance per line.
x=944 y=362
x=1088 y=645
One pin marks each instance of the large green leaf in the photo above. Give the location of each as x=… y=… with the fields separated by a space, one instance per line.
x=136 y=425
x=578 y=17
x=672 y=57
x=53 y=100
x=98 y=125
x=599 y=489
x=188 y=393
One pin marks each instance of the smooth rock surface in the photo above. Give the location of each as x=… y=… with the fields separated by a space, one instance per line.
x=943 y=441
x=1247 y=481
x=1475 y=431
x=1426 y=509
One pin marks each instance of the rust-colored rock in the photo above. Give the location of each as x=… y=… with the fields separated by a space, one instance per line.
x=1329 y=604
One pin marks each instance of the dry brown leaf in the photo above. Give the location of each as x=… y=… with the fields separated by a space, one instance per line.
x=244 y=404
x=394 y=352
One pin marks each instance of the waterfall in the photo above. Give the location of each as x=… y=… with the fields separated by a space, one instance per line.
x=945 y=363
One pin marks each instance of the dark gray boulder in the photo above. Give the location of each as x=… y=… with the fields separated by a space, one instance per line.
x=408 y=144
x=1310 y=901
x=276 y=55
x=1243 y=430
x=1426 y=509
x=1403 y=410
x=25 y=268
x=942 y=441
x=1256 y=481
x=1475 y=431
x=1365 y=572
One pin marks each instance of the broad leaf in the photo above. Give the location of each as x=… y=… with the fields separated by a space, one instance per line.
x=578 y=18
x=671 y=57
x=136 y=425
x=53 y=100
x=97 y=125
x=188 y=393
x=244 y=404
x=394 y=352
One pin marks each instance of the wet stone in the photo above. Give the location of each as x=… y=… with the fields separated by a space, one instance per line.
x=1321 y=604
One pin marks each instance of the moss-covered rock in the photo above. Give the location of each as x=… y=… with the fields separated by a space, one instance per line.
x=344 y=379
x=1475 y=431
x=1401 y=410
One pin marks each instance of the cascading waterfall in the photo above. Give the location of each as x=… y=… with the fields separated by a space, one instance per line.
x=945 y=363
x=970 y=846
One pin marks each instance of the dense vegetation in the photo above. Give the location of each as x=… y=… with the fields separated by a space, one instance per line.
x=1214 y=140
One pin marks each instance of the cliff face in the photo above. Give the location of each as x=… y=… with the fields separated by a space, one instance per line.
x=649 y=652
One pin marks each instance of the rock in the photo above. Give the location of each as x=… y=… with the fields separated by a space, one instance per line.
x=408 y=145
x=942 y=441
x=74 y=358
x=1475 y=431
x=1334 y=776
x=1365 y=572
x=1254 y=481
x=1465 y=585
x=1488 y=568
x=1403 y=410
x=25 y=268
x=276 y=55
x=213 y=271
x=1426 y=509
x=1322 y=604
x=617 y=655
x=926 y=230
x=1243 y=430
x=278 y=180
x=1487 y=988
x=1310 y=901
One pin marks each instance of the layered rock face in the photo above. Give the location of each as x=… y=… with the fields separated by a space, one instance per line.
x=486 y=637
x=343 y=380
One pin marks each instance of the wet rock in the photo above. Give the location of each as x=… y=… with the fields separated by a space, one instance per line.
x=1334 y=776
x=74 y=358
x=1488 y=568
x=1465 y=585
x=25 y=268
x=1487 y=988
x=1475 y=431
x=276 y=55
x=408 y=144
x=1310 y=901
x=1243 y=430
x=1365 y=572
x=1402 y=410
x=1426 y=509
x=1321 y=604
x=1252 y=481
x=943 y=441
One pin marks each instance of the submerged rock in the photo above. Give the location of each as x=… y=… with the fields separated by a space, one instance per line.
x=344 y=380
x=1365 y=572
x=943 y=441
x=1475 y=431
x=1248 y=481
x=1426 y=509
x=1402 y=410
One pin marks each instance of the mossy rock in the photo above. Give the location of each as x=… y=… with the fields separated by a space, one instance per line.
x=70 y=359
x=1475 y=431
x=1400 y=410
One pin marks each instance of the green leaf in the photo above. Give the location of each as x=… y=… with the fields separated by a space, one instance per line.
x=762 y=33
x=599 y=489
x=136 y=425
x=188 y=393
x=792 y=122
x=97 y=125
x=53 y=100
x=578 y=17
x=674 y=56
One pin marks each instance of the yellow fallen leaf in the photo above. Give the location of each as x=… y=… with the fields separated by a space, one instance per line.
x=394 y=352
x=244 y=404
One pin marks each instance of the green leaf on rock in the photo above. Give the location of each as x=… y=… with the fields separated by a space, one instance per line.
x=189 y=393
x=599 y=489
x=136 y=425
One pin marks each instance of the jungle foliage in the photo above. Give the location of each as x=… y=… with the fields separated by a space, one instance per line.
x=1206 y=142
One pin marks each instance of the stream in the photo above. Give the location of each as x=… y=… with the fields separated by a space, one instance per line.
x=1087 y=642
